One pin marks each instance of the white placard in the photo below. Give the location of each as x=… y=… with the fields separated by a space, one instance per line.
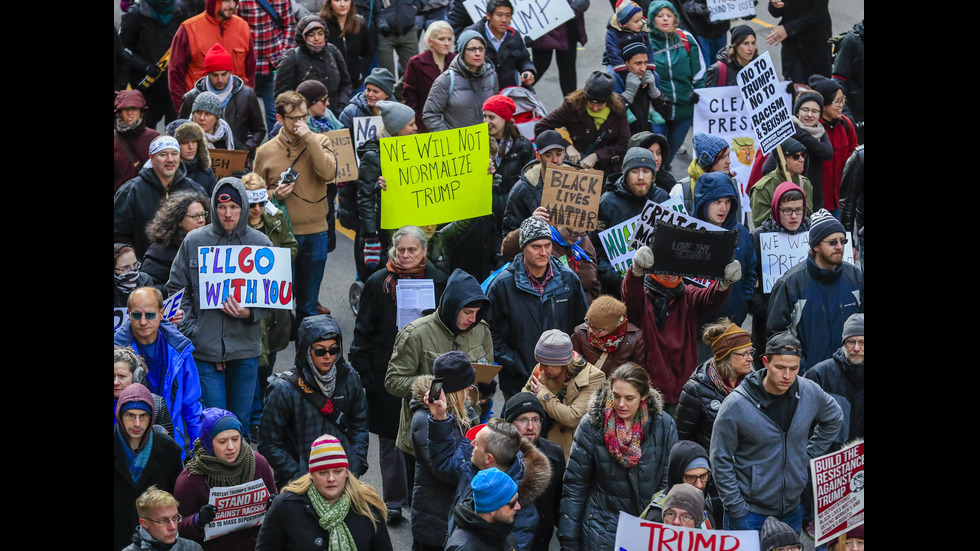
x=838 y=483
x=238 y=508
x=532 y=18
x=414 y=296
x=769 y=110
x=779 y=252
x=634 y=534
x=366 y=128
x=259 y=277
x=723 y=10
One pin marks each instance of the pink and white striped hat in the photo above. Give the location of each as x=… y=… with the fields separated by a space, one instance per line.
x=327 y=453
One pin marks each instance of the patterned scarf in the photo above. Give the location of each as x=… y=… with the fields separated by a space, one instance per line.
x=126 y=282
x=624 y=444
x=219 y=472
x=717 y=380
x=399 y=272
x=610 y=341
x=326 y=123
x=327 y=382
x=136 y=461
x=332 y=519
x=221 y=130
x=662 y=297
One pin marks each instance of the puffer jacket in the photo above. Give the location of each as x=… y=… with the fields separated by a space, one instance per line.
x=630 y=349
x=328 y=66
x=290 y=422
x=217 y=337
x=457 y=95
x=452 y=462
x=679 y=63
x=242 y=112
x=432 y=496
x=757 y=467
x=356 y=107
x=597 y=487
x=419 y=343
x=518 y=315
x=698 y=406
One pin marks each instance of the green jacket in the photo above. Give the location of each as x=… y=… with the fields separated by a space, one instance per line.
x=681 y=68
x=275 y=328
x=760 y=196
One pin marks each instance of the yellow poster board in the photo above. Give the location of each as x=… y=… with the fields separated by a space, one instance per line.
x=436 y=177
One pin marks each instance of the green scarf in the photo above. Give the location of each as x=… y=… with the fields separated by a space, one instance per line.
x=332 y=519
x=599 y=117
x=219 y=472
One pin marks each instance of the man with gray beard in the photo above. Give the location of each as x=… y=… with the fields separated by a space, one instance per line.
x=842 y=376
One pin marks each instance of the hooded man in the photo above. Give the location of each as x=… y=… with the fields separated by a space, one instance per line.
x=762 y=191
x=321 y=394
x=687 y=464
x=227 y=341
x=141 y=458
x=131 y=137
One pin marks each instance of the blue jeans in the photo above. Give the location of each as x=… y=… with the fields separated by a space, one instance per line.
x=232 y=389
x=675 y=131
x=753 y=521
x=709 y=49
x=263 y=89
x=308 y=272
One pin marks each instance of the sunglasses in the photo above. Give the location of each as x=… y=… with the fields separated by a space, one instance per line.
x=799 y=155
x=321 y=352
x=259 y=204
x=512 y=503
x=150 y=316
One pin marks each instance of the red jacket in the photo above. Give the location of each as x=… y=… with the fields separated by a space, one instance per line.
x=420 y=73
x=844 y=140
x=195 y=37
x=672 y=353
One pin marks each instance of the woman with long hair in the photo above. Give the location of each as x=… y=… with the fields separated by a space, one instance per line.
x=348 y=31
x=181 y=213
x=328 y=505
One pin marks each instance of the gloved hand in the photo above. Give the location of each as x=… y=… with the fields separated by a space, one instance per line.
x=661 y=106
x=650 y=81
x=572 y=154
x=642 y=261
x=694 y=97
x=498 y=180
x=205 y=515
x=632 y=86
x=151 y=69
x=733 y=273
x=372 y=252
x=791 y=89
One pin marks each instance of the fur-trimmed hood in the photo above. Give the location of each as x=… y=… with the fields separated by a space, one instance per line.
x=537 y=474
x=655 y=404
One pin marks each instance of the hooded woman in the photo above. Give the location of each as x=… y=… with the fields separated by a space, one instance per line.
x=131 y=137
x=315 y=58
x=457 y=95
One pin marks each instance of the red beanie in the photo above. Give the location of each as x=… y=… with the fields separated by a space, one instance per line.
x=217 y=59
x=500 y=105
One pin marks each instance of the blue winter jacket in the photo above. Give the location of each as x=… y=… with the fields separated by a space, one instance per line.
x=184 y=395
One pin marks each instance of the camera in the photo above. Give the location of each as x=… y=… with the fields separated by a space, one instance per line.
x=287 y=176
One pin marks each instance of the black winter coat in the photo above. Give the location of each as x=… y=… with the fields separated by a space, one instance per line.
x=290 y=422
x=242 y=113
x=845 y=382
x=852 y=193
x=358 y=51
x=148 y=39
x=156 y=264
x=291 y=524
x=472 y=533
x=513 y=57
x=328 y=66
x=596 y=487
x=510 y=167
x=713 y=73
x=161 y=470
x=550 y=501
x=698 y=406
x=374 y=338
x=808 y=27
x=695 y=17
x=119 y=298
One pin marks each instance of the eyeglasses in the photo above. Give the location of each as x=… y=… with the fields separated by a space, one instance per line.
x=150 y=316
x=512 y=504
x=324 y=99
x=143 y=417
x=834 y=242
x=533 y=421
x=747 y=354
x=841 y=102
x=296 y=118
x=198 y=216
x=669 y=516
x=476 y=50
x=792 y=212
x=129 y=268
x=166 y=521
x=798 y=155
x=806 y=111
x=321 y=352
x=690 y=478
x=852 y=343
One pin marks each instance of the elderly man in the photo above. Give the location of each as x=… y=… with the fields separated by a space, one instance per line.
x=171 y=371
x=136 y=202
x=842 y=376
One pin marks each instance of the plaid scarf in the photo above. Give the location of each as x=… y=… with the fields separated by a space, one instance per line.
x=624 y=444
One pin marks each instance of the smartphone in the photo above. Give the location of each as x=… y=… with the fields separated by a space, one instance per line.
x=435 y=389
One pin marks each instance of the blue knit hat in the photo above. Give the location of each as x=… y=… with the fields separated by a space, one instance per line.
x=214 y=421
x=492 y=489
x=707 y=147
x=626 y=10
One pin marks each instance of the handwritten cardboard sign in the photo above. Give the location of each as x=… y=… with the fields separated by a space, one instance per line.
x=533 y=18
x=256 y=276
x=769 y=109
x=722 y=10
x=838 y=491
x=692 y=252
x=436 y=177
x=571 y=196
x=780 y=251
x=226 y=162
x=238 y=508
x=343 y=146
x=635 y=534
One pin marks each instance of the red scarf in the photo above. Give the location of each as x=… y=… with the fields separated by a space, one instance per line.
x=610 y=341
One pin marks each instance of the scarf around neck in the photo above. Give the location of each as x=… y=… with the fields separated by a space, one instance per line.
x=816 y=131
x=221 y=130
x=716 y=379
x=331 y=519
x=326 y=383
x=398 y=272
x=662 y=297
x=219 y=472
x=136 y=461
x=624 y=444
x=610 y=342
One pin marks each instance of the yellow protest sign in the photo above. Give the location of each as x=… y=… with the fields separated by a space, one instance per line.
x=436 y=177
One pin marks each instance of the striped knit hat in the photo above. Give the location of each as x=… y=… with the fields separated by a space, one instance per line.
x=626 y=10
x=734 y=338
x=553 y=348
x=327 y=453
x=823 y=224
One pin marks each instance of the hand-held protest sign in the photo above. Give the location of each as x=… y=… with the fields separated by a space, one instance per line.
x=343 y=146
x=616 y=242
x=436 y=177
x=838 y=492
x=779 y=252
x=571 y=196
x=770 y=111
x=533 y=18
x=366 y=128
x=691 y=252
x=256 y=276
x=226 y=162
x=635 y=534
x=238 y=508
x=723 y=10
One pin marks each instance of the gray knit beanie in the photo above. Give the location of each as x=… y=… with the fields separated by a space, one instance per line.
x=853 y=327
x=638 y=157
x=554 y=347
x=465 y=37
x=776 y=533
x=382 y=78
x=395 y=115
x=209 y=103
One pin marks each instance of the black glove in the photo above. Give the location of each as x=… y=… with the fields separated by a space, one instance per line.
x=151 y=70
x=205 y=515
x=661 y=106
x=791 y=88
x=695 y=97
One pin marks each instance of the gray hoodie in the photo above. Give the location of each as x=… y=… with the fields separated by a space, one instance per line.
x=217 y=337
x=756 y=466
